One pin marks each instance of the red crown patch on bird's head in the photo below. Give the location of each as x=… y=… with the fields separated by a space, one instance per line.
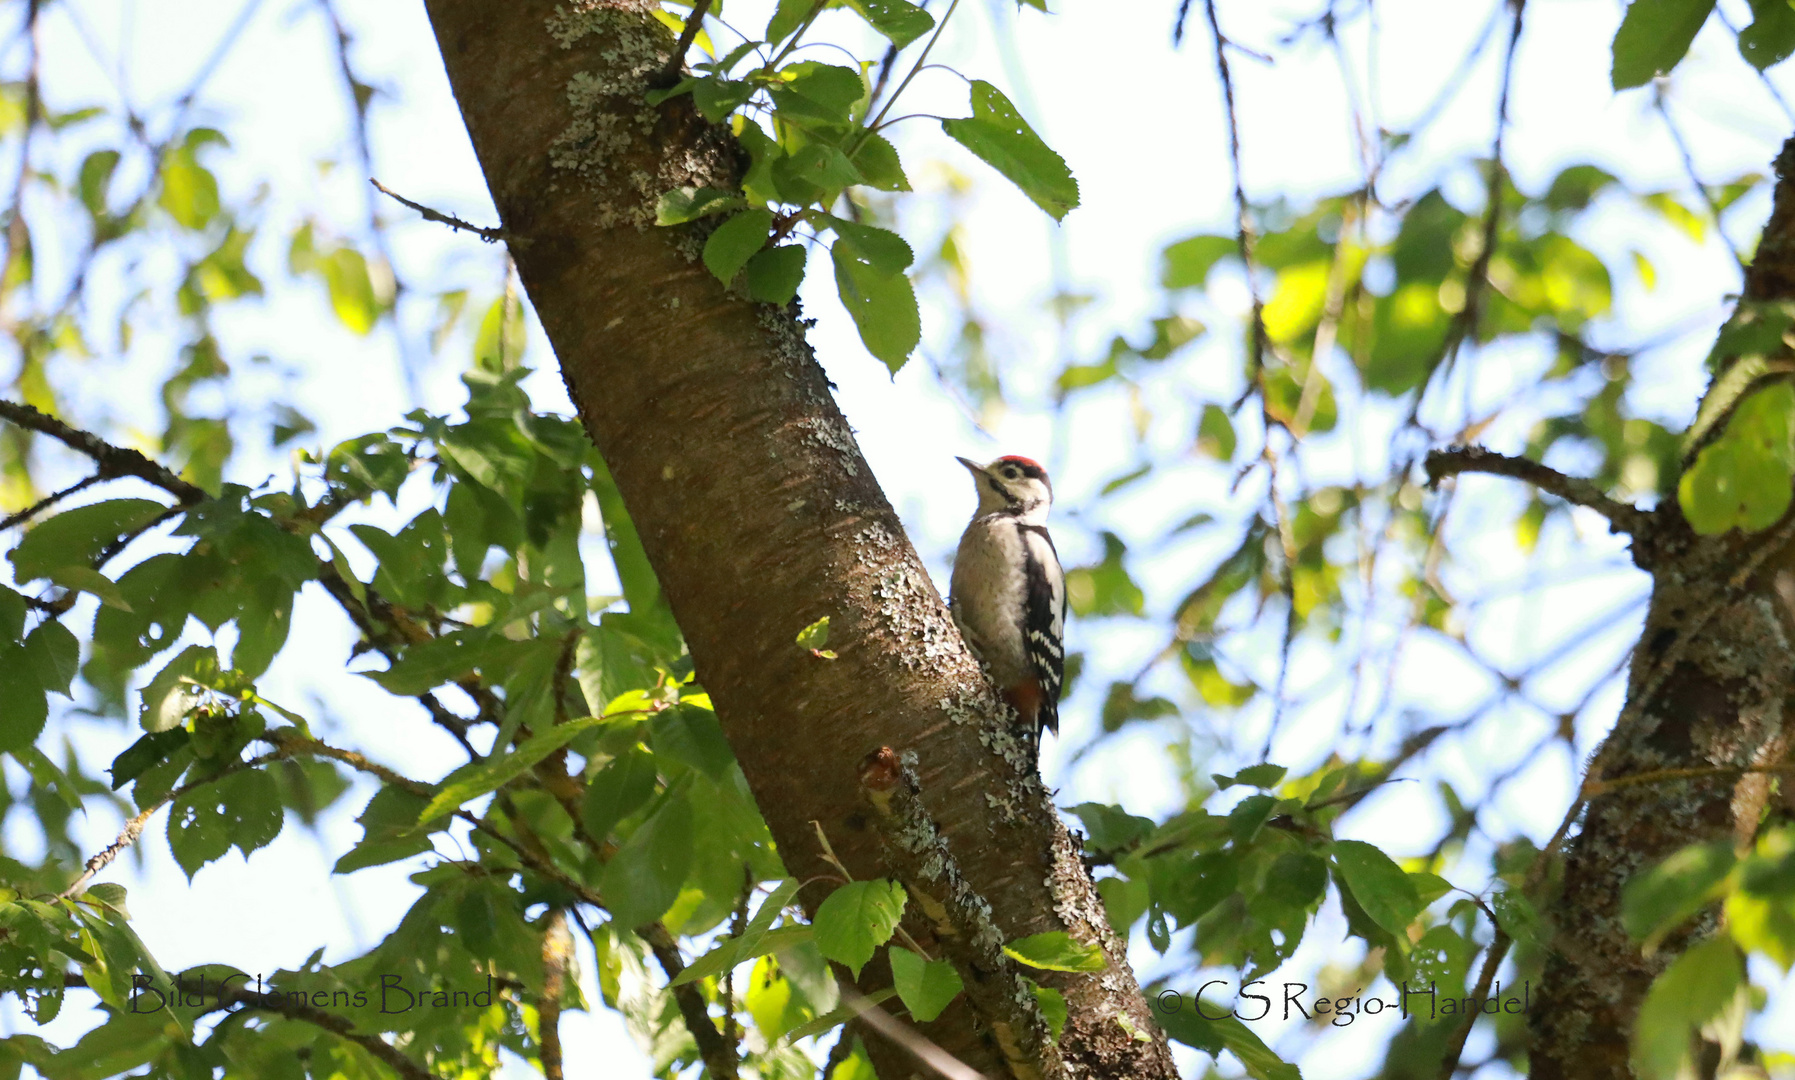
x=1029 y=465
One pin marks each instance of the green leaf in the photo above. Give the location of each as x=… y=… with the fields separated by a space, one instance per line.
x=823 y=93
x=1667 y=895
x=882 y=249
x=924 y=986
x=773 y=275
x=189 y=190
x=45 y=776
x=788 y=17
x=618 y=790
x=1000 y=137
x=110 y=894
x=757 y=938
x=1297 y=878
x=1695 y=989
x=1105 y=588
x=499 y=343
x=1186 y=264
x=717 y=97
x=1056 y=951
x=390 y=831
x=1266 y=775
x=88 y=580
x=815 y=636
x=814 y=173
x=1249 y=816
x=477 y=778
x=834 y=1018
x=95 y=179
x=642 y=880
x=735 y=951
x=1770 y=38
x=1110 y=828
x=147 y=751
x=882 y=302
x=1653 y=36
x=243 y=808
x=75 y=537
x=899 y=21
x=691 y=203
x=1052 y=1004
x=53 y=654
x=735 y=242
x=1382 y=889
x=1742 y=479
x=351 y=289
x=1575 y=187
x=690 y=734
x=856 y=919
x=877 y=163
x=1192 y=1025
x=177 y=687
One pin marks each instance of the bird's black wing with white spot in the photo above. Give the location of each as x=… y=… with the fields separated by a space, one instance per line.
x=1044 y=620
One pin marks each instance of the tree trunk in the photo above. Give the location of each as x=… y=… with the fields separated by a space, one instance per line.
x=1707 y=689
x=754 y=504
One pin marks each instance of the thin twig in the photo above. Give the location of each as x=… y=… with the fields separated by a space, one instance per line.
x=491 y=236
x=1244 y=231
x=360 y=94
x=1695 y=180
x=1622 y=517
x=1470 y=316
x=676 y=60
x=1455 y=1046
x=16 y=235
x=48 y=501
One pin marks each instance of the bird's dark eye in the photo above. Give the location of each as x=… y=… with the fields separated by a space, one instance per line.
x=1010 y=471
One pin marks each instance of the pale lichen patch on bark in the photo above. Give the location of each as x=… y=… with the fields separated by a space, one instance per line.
x=611 y=123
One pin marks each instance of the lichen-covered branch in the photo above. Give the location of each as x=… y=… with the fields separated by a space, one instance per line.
x=1622 y=517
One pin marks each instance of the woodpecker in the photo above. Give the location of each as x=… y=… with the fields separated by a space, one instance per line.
x=1008 y=593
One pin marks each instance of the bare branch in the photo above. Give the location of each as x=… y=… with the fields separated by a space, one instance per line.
x=1244 y=225
x=491 y=236
x=676 y=60
x=48 y=501
x=1492 y=959
x=114 y=461
x=1622 y=517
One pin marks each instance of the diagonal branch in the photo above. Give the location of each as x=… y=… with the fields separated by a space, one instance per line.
x=491 y=236
x=1622 y=517
x=114 y=461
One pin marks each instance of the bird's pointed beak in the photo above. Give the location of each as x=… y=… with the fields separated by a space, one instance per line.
x=975 y=468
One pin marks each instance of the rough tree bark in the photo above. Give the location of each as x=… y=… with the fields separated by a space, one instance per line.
x=1709 y=683
x=755 y=506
